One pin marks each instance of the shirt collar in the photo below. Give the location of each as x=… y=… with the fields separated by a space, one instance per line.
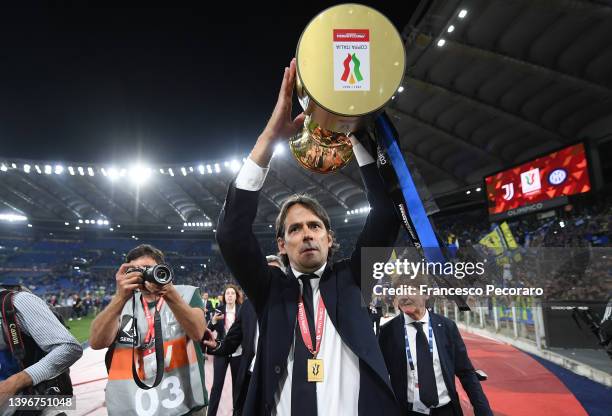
x=425 y=319
x=318 y=272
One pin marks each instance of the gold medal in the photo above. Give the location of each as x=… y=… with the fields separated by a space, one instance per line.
x=315 y=370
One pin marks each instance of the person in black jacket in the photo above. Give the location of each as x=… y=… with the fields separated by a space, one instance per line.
x=375 y=316
x=341 y=370
x=223 y=318
x=423 y=373
x=242 y=334
x=208 y=306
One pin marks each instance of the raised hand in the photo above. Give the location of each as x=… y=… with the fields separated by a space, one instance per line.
x=280 y=126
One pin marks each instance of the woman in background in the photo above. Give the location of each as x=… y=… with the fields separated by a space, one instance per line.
x=222 y=319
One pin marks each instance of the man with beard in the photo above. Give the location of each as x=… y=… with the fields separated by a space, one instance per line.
x=317 y=353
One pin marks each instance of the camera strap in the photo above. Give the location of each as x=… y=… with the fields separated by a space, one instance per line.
x=12 y=331
x=25 y=351
x=159 y=344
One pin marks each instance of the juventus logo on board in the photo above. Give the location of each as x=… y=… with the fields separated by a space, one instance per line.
x=508 y=191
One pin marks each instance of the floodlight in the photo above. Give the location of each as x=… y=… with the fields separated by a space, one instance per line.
x=139 y=174
x=12 y=217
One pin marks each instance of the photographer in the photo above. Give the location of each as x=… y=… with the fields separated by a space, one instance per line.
x=128 y=321
x=49 y=349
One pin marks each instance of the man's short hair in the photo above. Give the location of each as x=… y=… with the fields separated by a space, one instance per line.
x=145 y=250
x=313 y=206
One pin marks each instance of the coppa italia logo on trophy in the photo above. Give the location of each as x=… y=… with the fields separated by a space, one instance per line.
x=351 y=59
x=347 y=70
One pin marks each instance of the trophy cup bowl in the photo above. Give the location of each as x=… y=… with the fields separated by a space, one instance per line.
x=350 y=62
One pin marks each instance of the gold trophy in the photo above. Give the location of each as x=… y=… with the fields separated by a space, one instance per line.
x=350 y=62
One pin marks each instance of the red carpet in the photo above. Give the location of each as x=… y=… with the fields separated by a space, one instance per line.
x=517 y=385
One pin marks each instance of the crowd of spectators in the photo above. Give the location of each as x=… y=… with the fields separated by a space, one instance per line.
x=89 y=275
x=566 y=252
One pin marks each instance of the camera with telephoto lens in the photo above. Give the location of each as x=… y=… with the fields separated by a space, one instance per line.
x=160 y=274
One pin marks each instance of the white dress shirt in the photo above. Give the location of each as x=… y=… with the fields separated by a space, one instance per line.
x=339 y=391
x=443 y=396
x=338 y=394
x=255 y=341
x=230 y=318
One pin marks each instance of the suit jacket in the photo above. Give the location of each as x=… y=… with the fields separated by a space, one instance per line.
x=453 y=359
x=275 y=296
x=241 y=333
x=209 y=307
x=220 y=325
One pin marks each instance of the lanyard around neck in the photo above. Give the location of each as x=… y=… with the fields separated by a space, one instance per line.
x=149 y=317
x=408 y=353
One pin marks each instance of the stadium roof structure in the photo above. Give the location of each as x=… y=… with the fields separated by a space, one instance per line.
x=493 y=83
x=170 y=197
x=488 y=84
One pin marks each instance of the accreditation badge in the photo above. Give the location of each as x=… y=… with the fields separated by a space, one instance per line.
x=315 y=370
x=417 y=405
x=149 y=360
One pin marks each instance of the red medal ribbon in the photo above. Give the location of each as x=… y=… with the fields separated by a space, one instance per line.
x=305 y=330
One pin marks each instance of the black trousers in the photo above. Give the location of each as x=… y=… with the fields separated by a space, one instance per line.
x=241 y=398
x=220 y=364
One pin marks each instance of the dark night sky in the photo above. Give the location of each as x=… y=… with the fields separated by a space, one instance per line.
x=171 y=85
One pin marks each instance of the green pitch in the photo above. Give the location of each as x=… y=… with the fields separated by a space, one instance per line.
x=80 y=329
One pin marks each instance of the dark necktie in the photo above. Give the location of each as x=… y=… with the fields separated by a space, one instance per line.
x=428 y=392
x=303 y=392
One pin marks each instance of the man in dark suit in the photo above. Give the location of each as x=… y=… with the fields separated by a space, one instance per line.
x=423 y=372
x=375 y=311
x=242 y=333
x=208 y=306
x=340 y=371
